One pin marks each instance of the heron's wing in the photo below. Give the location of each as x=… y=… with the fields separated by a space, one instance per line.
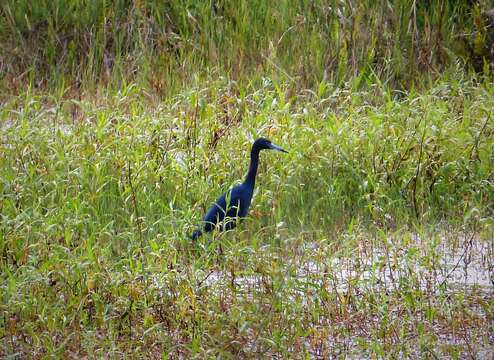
x=234 y=198
x=215 y=214
x=219 y=209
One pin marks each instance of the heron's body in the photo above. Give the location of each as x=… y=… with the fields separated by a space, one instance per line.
x=235 y=202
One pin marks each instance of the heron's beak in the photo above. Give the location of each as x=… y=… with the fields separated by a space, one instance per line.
x=277 y=148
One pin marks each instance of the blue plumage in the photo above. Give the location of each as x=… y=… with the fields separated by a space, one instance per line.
x=235 y=202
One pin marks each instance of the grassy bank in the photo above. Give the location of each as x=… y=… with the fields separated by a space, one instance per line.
x=165 y=46
x=360 y=240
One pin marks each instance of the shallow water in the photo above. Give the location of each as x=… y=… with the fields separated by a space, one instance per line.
x=469 y=265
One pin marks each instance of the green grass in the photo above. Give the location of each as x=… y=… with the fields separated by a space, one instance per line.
x=122 y=121
x=350 y=248
x=165 y=46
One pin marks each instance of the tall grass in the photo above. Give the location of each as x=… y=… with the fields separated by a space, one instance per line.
x=164 y=45
x=369 y=153
x=349 y=249
x=121 y=121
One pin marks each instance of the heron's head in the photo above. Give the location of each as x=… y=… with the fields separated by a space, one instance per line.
x=263 y=143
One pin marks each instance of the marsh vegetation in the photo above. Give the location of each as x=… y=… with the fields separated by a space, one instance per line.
x=122 y=121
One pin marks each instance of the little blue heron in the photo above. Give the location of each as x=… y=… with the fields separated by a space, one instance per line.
x=238 y=197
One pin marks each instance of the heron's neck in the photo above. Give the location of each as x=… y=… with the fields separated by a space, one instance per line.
x=250 y=179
